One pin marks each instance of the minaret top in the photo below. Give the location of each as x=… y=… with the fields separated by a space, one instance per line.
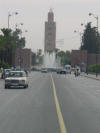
x=51 y=10
x=50 y=15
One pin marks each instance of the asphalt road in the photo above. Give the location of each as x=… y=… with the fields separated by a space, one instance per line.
x=51 y=104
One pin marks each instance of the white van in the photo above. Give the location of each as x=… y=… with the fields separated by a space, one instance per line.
x=68 y=68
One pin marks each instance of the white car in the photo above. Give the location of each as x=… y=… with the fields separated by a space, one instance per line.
x=44 y=70
x=16 y=79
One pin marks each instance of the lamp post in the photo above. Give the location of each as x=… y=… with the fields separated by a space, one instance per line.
x=9 y=15
x=80 y=33
x=84 y=24
x=96 y=17
x=17 y=25
x=24 y=32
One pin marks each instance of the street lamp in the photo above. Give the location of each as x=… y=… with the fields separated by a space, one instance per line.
x=17 y=25
x=9 y=15
x=84 y=24
x=80 y=33
x=96 y=17
x=24 y=32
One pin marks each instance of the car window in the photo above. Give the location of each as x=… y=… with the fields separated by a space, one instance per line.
x=17 y=74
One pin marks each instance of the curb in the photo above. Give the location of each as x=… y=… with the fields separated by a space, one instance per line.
x=91 y=77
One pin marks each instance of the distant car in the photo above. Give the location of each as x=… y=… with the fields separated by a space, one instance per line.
x=5 y=73
x=44 y=70
x=61 y=71
x=68 y=69
x=16 y=79
x=51 y=69
x=58 y=70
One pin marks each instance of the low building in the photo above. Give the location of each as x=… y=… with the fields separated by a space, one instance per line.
x=83 y=59
x=22 y=58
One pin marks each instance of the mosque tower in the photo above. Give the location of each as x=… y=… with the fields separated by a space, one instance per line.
x=50 y=33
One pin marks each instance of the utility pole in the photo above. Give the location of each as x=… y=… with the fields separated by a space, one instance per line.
x=96 y=17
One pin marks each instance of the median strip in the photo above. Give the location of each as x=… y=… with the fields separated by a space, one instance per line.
x=59 y=114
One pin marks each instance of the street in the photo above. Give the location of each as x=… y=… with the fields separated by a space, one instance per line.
x=51 y=103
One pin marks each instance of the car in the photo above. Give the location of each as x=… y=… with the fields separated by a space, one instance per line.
x=16 y=79
x=51 y=69
x=5 y=73
x=44 y=70
x=68 y=69
x=58 y=70
x=61 y=71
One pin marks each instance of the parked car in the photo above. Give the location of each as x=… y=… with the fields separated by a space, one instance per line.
x=16 y=79
x=5 y=73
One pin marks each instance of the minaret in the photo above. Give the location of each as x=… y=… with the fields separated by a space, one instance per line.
x=50 y=33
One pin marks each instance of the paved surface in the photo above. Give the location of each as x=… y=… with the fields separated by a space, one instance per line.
x=92 y=76
x=34 y=110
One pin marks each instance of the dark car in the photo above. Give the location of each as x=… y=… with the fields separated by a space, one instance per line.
x=61 y=71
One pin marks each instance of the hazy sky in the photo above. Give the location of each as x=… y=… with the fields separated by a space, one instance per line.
x=69 y=14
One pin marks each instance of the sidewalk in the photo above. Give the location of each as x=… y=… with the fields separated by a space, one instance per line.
x=91 y=76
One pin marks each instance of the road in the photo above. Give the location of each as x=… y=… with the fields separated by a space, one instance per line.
x=52 y=104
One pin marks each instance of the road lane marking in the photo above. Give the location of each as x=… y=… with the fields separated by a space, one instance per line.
x=60 y=117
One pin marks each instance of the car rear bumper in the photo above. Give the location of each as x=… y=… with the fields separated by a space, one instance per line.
x=15 y=84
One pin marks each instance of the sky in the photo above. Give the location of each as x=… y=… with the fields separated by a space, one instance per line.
x=69 y=14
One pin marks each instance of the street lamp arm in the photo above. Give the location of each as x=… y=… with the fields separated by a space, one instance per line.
x=11 y=14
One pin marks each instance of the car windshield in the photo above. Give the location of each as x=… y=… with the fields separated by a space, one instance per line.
x=16 y=74
x=7 y=71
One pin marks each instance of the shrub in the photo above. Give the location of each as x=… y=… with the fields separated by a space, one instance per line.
x=94 y=68
x=4 y=65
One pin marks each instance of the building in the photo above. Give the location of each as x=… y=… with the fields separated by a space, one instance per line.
x=83 y=59
x=22 y=58
x=79 y=58
x=50 y=33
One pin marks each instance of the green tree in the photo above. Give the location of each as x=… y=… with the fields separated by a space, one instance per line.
x=68 y=57
x=18 y=41
x=90 y=41
x=10 y=41
x=65 y=57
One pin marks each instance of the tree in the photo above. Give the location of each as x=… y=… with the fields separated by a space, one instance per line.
x=18 y=41
x=68 y=57
x=65 y=57
x=90 y=40
x=33 y=58
x=10 y=41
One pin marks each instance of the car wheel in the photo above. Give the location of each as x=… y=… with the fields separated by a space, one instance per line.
x=26 y=86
